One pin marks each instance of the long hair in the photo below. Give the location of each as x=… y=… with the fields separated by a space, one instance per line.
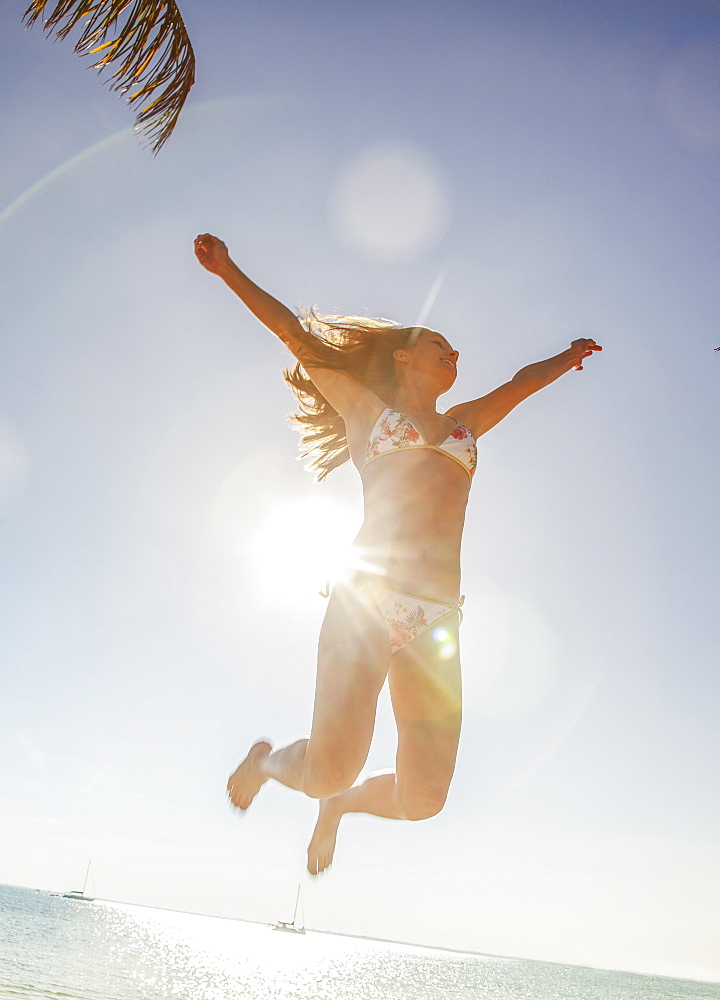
x=360 y=347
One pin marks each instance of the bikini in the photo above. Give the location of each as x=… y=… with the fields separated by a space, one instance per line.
x=394 y=431
x=405 y=617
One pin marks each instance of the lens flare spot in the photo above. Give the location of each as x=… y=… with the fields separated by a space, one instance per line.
x=687 y=95
x=446 y=643
x=391 y=203
x=14 y=466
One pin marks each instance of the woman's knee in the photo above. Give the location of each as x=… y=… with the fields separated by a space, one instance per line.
x=324 y=779
x=423 y=803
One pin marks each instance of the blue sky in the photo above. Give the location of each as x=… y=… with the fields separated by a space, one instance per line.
x=519 y=174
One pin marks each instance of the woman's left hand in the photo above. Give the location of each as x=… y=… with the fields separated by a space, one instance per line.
x=211 y=252
x=582 y=349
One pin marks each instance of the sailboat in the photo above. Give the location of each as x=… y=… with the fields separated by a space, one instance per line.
x=295 y=926
x=82 y=893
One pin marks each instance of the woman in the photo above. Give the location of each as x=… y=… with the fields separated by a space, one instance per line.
x=368 y=391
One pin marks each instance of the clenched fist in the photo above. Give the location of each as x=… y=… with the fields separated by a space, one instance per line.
x=211 y=252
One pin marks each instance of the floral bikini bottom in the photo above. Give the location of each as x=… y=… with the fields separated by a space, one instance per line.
x=407 y=617
x=404 y=617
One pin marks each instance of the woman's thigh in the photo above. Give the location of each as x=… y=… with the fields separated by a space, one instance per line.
x=426 y=691
x=353 y=661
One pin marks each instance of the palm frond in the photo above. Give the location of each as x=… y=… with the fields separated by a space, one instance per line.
x=150 y=53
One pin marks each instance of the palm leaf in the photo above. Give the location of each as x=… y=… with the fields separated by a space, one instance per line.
x=149 y=51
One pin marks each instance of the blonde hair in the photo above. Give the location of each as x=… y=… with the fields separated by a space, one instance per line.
x=356 y=345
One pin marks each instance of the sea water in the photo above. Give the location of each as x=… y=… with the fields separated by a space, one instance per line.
x=52 y=948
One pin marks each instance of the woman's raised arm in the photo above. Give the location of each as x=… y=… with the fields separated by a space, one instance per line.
x=214 y=257
x=482 y=414
x=347 y=395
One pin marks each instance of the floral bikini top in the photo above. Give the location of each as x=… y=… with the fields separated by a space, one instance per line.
x=394 y=431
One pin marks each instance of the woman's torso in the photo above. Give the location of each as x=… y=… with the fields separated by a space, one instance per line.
x=415 y=498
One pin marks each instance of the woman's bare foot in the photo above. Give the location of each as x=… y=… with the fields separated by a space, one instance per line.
x=245 y=782
x=322 y=843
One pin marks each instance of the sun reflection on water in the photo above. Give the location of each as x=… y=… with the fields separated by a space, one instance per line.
x=221 y=959
x=55 y=947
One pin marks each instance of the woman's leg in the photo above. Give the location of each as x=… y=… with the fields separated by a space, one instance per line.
x=425 y=688
x=353 y=661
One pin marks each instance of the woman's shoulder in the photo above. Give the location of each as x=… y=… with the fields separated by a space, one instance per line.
x=353 y=400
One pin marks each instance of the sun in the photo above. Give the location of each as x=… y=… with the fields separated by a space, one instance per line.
x=300 y=547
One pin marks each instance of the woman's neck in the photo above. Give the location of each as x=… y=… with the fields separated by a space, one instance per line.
x=415 y=399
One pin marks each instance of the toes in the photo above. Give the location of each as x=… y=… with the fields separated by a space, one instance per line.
x=318 y=863
x=232 y=799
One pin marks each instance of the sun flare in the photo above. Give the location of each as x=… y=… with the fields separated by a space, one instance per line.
x=301 y=546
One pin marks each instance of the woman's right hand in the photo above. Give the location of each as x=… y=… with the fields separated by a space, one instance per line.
x=211 y=252
x=582 y=349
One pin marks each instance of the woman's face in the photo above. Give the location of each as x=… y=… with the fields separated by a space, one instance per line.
x=432 y=354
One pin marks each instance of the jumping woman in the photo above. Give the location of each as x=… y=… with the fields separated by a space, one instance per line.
x=368 y=392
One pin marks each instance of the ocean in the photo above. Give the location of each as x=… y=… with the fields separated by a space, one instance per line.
x=62 y=949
